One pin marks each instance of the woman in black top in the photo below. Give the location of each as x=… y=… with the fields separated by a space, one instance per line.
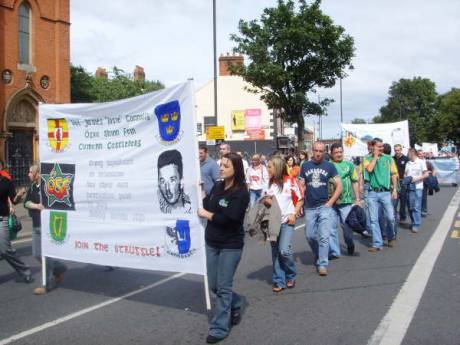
x=224 y=208
x=7 y=194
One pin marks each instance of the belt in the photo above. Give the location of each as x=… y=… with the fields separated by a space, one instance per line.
x=380 y=190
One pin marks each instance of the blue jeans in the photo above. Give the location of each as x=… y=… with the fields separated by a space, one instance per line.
x=221 y=265
x=376 y=200
x=415 y=208
x=366 y=207
x=254 y=195
x=318 y=224
x=284 y=268
x=341 y=214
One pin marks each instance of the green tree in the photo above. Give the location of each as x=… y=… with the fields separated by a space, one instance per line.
x=414 y=100
x=449 y=116
x=293 y=49
x=358 y=121
x=81 y=84
x=87 y=88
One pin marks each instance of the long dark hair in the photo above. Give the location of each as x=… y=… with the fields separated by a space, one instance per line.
x=239 y=180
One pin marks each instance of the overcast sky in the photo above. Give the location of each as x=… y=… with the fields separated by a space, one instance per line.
x=172 y=40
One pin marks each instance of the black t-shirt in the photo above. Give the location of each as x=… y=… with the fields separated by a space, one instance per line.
x=225 y=230
x=7 y=190
x=401 y=165
x=33 y=195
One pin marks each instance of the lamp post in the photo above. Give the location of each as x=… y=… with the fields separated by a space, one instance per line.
x=341 y=109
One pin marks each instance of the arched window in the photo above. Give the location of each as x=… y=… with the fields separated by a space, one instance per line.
x=24 y=34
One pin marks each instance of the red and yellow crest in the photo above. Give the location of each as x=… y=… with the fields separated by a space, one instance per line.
x=58 y=134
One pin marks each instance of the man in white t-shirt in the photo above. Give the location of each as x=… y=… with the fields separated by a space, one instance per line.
x=415 y=168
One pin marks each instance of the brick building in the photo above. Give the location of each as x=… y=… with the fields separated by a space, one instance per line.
x=34 y=67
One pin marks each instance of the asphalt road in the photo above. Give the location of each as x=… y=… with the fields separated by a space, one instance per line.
x=346 y=307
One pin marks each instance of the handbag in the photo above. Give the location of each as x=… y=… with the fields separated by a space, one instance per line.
x=14 y=224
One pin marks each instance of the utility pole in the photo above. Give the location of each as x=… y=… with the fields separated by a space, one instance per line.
x=215 y=58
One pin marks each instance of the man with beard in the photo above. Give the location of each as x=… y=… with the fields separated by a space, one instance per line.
x=171 y=193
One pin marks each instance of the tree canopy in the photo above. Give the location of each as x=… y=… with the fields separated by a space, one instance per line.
x=449 y=116
x=294 y=48
x=358 y=121
x=86 y=88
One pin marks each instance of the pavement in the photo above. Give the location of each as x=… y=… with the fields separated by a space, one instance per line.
x=125 y=306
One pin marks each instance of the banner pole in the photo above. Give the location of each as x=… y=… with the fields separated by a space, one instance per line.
x=44 y=271
x=206 y=292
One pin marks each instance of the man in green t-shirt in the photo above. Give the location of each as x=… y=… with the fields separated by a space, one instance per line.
x=383 y=182
x=343 y=205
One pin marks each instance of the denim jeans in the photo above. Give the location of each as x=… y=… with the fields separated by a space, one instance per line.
x=376 y=200
x=366 y=207
x=8 y=253
x=318 y=224
x=384 y=225
x=284 y=268
x=415 y=208
x=254 y=195
x=341 y=214
x=53 y=266
x=221 y=265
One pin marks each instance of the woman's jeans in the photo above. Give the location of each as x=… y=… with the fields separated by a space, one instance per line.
x=221 y=266
x=284 y=267
x=254 y=195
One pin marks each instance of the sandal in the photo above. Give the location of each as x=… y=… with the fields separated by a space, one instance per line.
x=277 y=288
x=290 y=284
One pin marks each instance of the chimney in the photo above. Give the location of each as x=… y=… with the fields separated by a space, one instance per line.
x=139 y=73
x=101 y=73
x=226 y=60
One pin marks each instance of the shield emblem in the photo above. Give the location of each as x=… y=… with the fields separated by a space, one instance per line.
x=168 y=116
x=58 y=134
x=58 y=225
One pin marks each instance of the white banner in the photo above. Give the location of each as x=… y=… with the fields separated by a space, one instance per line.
x=120 y=182
x=430 y=147
x=355 y=137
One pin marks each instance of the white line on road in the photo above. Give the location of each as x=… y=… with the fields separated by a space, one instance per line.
x=394 y=325
x=85 y=311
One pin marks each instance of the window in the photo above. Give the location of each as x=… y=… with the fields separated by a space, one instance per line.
x=24 y=34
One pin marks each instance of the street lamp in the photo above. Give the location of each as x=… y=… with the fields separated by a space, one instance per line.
x=215 y=58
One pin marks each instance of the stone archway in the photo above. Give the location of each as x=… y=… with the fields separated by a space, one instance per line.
x=20 y=126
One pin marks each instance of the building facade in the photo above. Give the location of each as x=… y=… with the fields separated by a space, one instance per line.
x=34 y=67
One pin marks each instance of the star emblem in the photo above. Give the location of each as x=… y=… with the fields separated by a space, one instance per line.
x=57 y=186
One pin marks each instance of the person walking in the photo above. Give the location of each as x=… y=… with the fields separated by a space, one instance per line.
x=383 y=182
x=417 y=170
x=256 y=179
x=54 y=269
x=8 y=196
x=316 y=174
x=401 y=161
x=344 y=204
x=224 y=208
x=289 y=195
x=209 y=169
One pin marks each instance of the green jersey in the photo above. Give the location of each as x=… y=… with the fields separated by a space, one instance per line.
x=380 y=177
x=348 y=175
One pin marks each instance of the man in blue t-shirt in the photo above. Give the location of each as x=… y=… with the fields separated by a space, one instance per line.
x=317 y=174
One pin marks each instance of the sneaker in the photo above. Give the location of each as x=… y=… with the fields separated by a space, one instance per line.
x=235 y=317
x=290 y=284
x=277 y=288
x=374 y=250
x=40 y=291
x=365 y=233
x=27 y=278
x=414 y=230
x=391 y=243
x=210 y=339
x=322 y=271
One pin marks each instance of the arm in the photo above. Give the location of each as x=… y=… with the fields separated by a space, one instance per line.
x=355 y=186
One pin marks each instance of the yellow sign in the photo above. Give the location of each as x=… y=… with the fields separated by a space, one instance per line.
x=238 y=120
x=215 y=133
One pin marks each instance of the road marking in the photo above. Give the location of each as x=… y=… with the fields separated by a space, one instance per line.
x=85 y=311
x=455 y=234
x=457 y=224
x=394 y=325
x=21 y=241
